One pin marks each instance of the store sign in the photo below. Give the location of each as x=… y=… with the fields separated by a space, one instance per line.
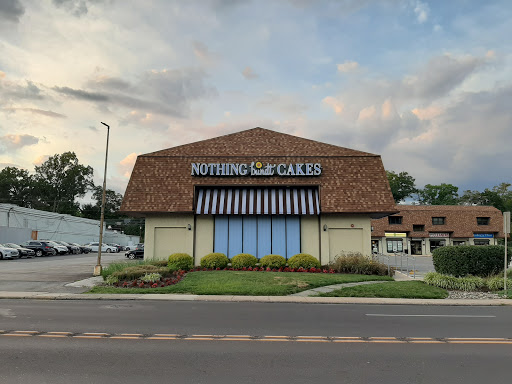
x=483 y=235
x=438 y=234
x=256 y=168
x=396 y=234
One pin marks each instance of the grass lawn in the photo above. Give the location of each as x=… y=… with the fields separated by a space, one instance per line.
x=393 y=289
x=247 y=283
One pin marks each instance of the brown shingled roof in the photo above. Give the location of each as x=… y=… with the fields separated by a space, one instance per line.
x=351 y=181
x=460 y=221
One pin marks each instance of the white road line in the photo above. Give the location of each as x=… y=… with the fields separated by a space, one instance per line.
x=387 y=315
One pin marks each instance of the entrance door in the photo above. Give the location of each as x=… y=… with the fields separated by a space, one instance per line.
x=415 y=247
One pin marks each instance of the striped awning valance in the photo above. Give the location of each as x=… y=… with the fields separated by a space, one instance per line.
x=257 y=201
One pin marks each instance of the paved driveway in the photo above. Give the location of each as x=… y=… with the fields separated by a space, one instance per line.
x=52 y=273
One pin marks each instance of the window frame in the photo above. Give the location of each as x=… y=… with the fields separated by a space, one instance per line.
x=439 y=218
x=486 y=219
x=418 y=230
x=398 y=218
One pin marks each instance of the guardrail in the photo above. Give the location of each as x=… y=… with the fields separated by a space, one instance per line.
x=398 y=261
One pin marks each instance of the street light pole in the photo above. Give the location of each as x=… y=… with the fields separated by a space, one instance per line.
x=97 y=268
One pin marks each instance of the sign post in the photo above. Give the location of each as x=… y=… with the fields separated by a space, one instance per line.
x=506 y=230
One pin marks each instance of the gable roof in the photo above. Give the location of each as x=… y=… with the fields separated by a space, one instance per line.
x=258 y=142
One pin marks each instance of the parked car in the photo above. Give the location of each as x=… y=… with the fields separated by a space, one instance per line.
x=119 y=247
x=71 y=248
x=41 y=248
x=24 y=252
x=130 y=247
x=83 y=248
x=8 y=253
x=104 y=247
x=61 y=249
x=137 y=253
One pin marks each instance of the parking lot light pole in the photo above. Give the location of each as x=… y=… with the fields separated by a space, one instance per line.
x=97 y=268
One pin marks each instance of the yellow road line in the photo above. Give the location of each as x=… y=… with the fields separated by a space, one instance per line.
x=17 y=334
x=27 y=332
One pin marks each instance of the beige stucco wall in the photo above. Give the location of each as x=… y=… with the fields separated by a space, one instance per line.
x=310 y=235
x=204 y=237
x=170 y=233
x=350 y=232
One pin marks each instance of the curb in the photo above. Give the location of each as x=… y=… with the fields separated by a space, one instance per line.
x=254 y=299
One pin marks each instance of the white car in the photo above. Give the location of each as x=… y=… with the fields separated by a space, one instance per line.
x=8 y=253
x=104 y=248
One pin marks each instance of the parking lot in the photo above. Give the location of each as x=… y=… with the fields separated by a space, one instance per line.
x=51 y=273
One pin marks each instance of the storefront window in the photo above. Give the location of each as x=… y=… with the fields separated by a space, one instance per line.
x=395 y=245
x=436 y=244
x=461 y=242
x=375 y=246
x=481 y=242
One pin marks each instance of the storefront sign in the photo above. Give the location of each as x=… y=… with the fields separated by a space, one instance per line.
x=256 y=168
x=483 y=235
x=437 y=234
x=396 y=234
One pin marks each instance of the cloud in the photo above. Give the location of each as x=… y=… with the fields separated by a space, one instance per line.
x=427 y=113
x=367 y=113
x=14 y=142
x=167 y=92
x=40 y=160
x=202 y=53
x=13 y=91
x=335 y=104
x=125 y=166
x=348 y=66
x=249 y=74
x=77 y=8
x=11 y=10
x=421 y=10
x=38 y=111
x=288 y=104
x=441 y=75
x=4 y=165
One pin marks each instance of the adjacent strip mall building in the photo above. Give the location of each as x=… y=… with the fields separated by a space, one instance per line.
x=258 y=192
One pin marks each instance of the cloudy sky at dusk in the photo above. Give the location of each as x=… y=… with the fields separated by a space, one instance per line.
x=425 y=84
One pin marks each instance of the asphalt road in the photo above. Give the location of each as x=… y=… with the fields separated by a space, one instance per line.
x=50 y=273
x=425 y=355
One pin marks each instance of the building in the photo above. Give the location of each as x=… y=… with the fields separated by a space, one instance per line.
x=18 y=224
x=258 y=192
x=419 y=229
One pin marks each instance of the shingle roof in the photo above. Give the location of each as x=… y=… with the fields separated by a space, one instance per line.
x=460 y=220
x=351 y=181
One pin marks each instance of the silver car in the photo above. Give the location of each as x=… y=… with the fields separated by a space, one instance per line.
x=8 y=253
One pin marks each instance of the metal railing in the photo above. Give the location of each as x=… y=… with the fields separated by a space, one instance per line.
x=398 y=261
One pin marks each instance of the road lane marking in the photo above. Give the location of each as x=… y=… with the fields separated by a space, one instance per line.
x=275 y=338
x=388 y=315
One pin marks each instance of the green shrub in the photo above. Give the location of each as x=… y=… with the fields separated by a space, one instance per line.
x=467 y=283
x=496 y=283
x=181 y=261
x=243 y=260
x=157 y=263
x=151 y=277
x=214 y=260
x=272 y=261
x=303 y=260
x=357 y=263
x=469 y=260
x=111 y=280
x=132 y=273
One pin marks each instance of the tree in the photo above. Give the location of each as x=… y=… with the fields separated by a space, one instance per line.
x=402 y=185
x=113 y=202
x=444 y=194
x=16 y=187
x=499 y=197
x=60 y=180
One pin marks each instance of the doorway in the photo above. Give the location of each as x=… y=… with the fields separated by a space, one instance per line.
x=416 y=247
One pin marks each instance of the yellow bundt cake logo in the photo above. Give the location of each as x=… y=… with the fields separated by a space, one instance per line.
x=258 y=164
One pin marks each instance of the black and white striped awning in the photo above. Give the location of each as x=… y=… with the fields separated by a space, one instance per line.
x=257 y=201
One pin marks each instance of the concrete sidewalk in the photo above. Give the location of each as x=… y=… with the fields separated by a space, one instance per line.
x=259 y=299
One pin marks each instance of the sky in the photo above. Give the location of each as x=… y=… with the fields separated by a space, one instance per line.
x=425 y=84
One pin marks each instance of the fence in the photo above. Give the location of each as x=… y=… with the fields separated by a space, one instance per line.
x=398 y=262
